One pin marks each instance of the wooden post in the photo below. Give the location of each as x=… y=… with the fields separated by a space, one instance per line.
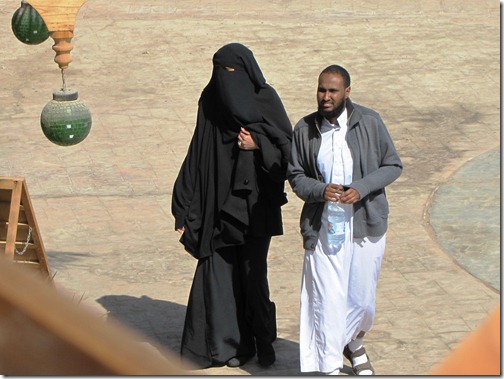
x=12 y=222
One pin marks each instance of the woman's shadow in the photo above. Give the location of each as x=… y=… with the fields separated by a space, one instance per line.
x=162 y=322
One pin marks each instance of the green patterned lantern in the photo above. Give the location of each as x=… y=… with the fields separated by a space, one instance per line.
x=65 y=120
x=28 y=26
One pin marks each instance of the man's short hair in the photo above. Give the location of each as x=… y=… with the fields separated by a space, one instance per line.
x=335 y=69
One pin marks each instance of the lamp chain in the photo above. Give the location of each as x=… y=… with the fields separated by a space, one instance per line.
x=63 y=79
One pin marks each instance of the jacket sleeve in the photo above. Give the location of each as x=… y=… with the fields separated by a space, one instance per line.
x=302 y=175
x=389 y=166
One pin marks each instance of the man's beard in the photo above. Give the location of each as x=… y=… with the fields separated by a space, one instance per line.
x=335 y=113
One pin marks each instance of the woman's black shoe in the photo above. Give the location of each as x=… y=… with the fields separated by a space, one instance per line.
x=267 y=360
x=265 y=355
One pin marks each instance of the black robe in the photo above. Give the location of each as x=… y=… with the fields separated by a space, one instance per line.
x=228 y=201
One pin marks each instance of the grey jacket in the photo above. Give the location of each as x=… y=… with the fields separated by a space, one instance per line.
x=376 y=165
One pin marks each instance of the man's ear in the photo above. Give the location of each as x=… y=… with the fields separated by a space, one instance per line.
x=347 y=92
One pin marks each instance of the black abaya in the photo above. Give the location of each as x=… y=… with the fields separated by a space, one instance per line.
x=222 y=319
x=228 y=202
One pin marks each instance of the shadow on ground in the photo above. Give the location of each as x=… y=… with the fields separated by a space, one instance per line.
x=61 y=259
x=159 y=320
x=162 y=321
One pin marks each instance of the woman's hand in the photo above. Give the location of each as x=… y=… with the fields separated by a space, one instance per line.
x=245 y=140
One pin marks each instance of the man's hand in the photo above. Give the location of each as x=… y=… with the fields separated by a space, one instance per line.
x=350 y=196
x=336 y=192
x=333 y=192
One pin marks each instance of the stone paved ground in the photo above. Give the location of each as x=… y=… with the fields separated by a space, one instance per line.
x=431 y=68
x=468 y=204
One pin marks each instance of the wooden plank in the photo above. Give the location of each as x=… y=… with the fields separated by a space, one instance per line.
x=11 y=179
x=29 y=265
x=29 y=255
x=22 y=231
x=35 y=235
x=13 y=218
x=44 y=333
x=6 y=184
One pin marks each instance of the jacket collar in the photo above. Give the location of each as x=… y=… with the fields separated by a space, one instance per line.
x=353 y=114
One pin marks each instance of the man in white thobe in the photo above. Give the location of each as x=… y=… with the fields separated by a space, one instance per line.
x=342 y=153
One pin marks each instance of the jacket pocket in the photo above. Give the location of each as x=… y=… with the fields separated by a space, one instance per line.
x=376 y=207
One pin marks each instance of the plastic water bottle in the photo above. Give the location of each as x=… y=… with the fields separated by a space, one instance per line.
x=336 y=224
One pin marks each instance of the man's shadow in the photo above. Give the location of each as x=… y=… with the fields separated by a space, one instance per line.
x=162 y=322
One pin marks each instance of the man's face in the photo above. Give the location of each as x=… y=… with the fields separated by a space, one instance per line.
x=331 y=96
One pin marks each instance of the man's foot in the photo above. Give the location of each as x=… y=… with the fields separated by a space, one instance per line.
x=334 y=372
x=237 y=361
x=360 y=361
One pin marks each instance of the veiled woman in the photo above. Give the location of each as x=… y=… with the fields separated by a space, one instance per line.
x=226 y=203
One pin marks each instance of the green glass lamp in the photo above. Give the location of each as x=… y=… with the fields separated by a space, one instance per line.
x=65 y=120
x=28 y=26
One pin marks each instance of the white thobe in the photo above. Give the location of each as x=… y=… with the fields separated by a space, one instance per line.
x=339 y=284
